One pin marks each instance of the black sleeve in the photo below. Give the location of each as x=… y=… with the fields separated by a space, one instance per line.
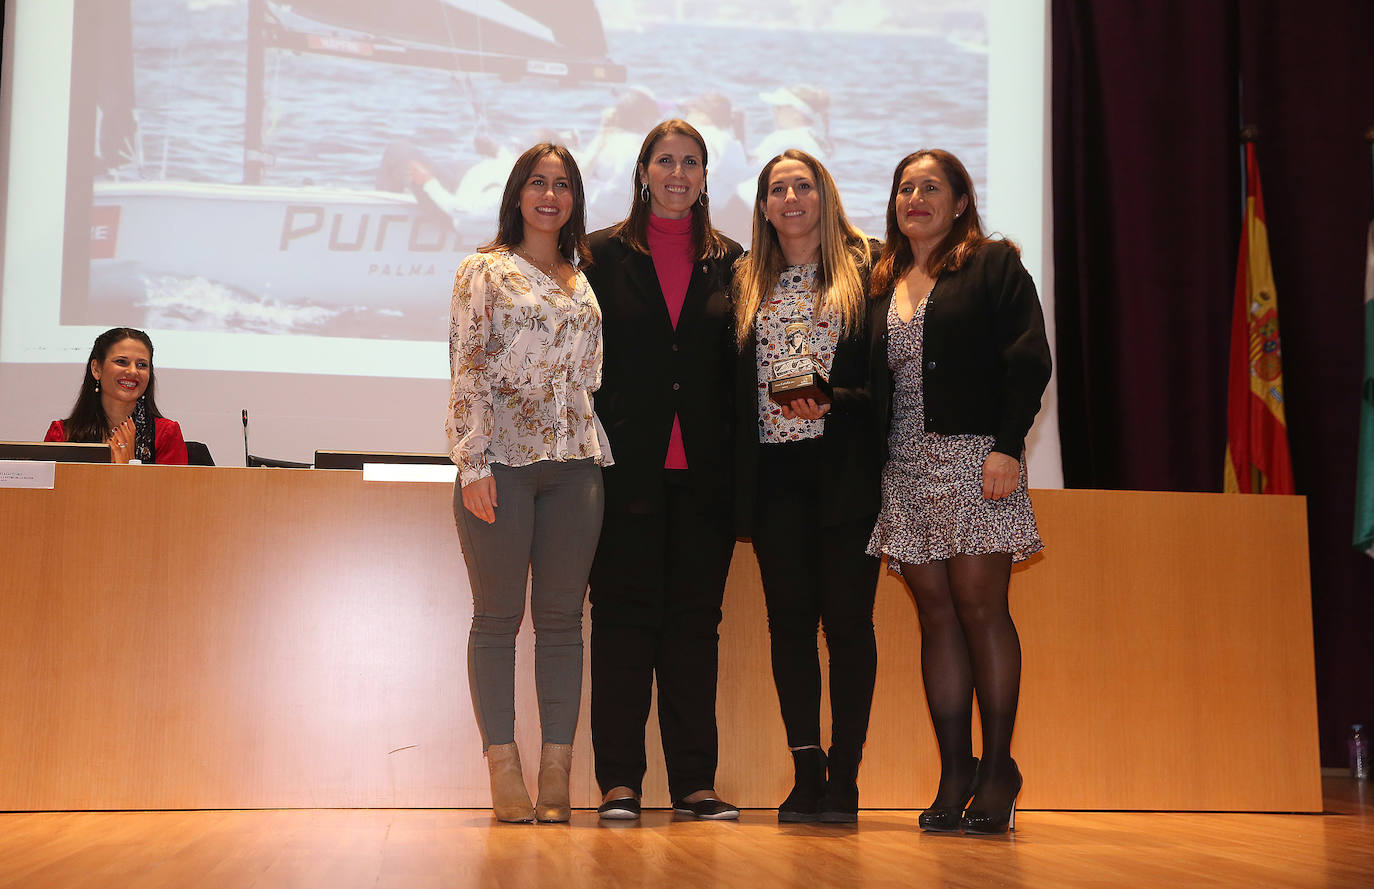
x=1022 y=348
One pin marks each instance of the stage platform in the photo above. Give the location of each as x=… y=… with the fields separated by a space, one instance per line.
x=465 y=849
x=226 y=638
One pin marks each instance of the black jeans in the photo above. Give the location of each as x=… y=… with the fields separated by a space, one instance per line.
x=815 y=571
x=656 y=589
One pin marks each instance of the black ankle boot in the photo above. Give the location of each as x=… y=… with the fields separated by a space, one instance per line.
x=840 y=804
x=804 y=802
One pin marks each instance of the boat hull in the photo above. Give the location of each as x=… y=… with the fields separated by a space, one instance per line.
x=342 y=249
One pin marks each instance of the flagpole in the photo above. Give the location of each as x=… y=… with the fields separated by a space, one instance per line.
x=1248 y=133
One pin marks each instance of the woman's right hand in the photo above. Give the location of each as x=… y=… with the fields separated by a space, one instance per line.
x=480 y=498
x=805 y=409
x=121 y=441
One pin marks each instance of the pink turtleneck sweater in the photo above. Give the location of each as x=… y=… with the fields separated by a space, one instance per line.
x=670 y=246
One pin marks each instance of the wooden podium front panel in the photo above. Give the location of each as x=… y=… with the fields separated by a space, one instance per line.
x=222 y=638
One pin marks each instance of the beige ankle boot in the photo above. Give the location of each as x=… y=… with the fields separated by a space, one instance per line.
x=510 y=801
x=555 y=766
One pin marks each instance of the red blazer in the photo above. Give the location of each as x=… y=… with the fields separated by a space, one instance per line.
x=169 y=448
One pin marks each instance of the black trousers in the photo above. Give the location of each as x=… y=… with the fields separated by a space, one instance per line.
x=815 y=572
x=656 y=588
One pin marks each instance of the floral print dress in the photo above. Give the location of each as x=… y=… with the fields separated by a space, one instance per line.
x=933 y=506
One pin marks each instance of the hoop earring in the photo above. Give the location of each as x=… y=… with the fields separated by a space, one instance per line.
x=704 y=199
x=644 y=192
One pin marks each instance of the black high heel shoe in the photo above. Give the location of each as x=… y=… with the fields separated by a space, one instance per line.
x=984 y=822
x=946 y=819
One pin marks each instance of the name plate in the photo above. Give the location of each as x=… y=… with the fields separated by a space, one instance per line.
x=34 y=474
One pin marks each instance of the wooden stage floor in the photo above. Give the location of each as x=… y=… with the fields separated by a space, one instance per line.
x=428 y=849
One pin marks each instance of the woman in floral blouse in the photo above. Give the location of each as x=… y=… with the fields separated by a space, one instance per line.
x=525 y=356
x=808 y=468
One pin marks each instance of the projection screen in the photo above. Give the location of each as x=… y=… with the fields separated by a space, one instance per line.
x=279 y=193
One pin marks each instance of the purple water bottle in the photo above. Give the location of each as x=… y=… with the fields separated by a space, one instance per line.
x=1359 y=752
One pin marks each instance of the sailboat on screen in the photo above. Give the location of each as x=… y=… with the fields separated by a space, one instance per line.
x=386 y=250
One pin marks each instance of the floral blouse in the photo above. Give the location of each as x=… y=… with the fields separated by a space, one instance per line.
x=525 y=359
x=783 y=328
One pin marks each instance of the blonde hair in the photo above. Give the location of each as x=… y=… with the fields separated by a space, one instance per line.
x=844 y=257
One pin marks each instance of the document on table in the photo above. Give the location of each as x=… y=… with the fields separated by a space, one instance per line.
x=410 y=472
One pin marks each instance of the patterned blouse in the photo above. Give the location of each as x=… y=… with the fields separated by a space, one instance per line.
x=525 y=359
x=784 y=327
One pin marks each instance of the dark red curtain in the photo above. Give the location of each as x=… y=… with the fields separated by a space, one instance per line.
x=1148 y=100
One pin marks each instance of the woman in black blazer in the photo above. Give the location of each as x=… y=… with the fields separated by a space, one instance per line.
x=666 y=400
x=808 y=469
x=960 y=364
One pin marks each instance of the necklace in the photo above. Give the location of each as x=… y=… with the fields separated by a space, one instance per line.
x=548 y=269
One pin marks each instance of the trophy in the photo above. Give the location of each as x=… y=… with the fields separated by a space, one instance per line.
x=799 y=374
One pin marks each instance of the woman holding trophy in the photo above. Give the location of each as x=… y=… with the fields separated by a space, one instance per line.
x=808 y=467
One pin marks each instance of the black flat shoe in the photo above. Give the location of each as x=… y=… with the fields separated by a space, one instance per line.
x=946 y=819
x=981 y=821
x=623 y=809
x=708 y=809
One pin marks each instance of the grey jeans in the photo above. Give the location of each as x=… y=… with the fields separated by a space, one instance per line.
x=548 y=519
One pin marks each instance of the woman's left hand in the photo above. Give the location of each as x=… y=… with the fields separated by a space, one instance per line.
x=1000 y=475
x=805 y=409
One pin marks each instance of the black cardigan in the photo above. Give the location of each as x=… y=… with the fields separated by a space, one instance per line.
x=987 y=360
x=848 y=483
x=651 y=371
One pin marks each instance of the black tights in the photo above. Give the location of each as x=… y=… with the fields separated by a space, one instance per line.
x=968 y=643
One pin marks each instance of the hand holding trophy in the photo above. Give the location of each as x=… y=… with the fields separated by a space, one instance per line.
x=798 y=376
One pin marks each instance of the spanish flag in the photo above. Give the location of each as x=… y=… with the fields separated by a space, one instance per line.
x=1257 y=460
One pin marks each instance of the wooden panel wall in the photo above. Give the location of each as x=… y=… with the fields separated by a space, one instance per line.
x=222 y=638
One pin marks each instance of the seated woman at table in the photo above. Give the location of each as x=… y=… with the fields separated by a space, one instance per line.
x=116 y=404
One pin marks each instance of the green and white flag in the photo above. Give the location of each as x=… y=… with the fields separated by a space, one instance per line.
x=1364 y=471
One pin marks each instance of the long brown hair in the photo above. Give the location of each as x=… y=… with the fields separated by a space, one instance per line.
x=88 y=422
x=964 y=238
x=844 y=255
x=510 y=228
x=707 y=243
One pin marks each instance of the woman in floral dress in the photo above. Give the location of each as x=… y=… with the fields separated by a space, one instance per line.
x=962 y=334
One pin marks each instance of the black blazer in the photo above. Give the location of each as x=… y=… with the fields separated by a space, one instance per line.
x=987 y=360
x=651 y=371
x=848 y=484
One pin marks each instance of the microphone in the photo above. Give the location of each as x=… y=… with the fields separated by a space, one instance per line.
x=246 y=461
